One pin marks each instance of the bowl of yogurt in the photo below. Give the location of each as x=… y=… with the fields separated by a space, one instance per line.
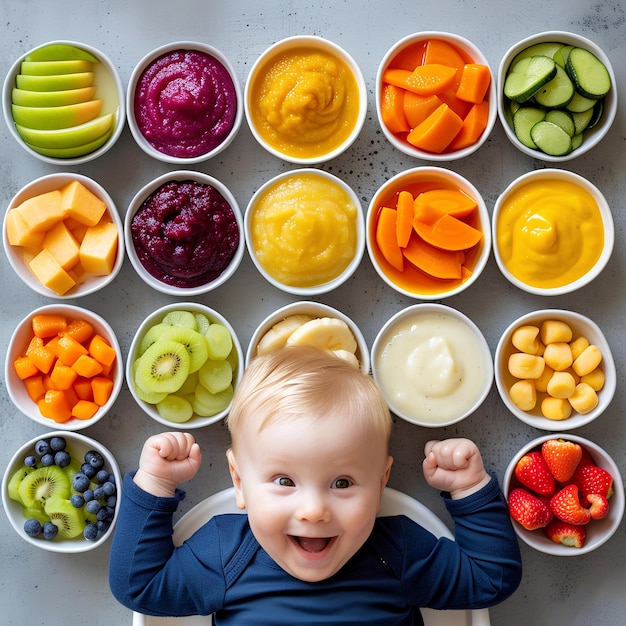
x=184 y=102
x=432 y=364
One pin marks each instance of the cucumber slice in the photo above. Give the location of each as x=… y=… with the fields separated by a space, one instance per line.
x=527 y=76
x=558 y=92
x=598 y=109
x=582 y=121
x=546 y=49
x=579 y=103
x=577 y=141
x=523 y=121
x=560 y=56
x=588 y=73
x=564 y=119
x=551 y=138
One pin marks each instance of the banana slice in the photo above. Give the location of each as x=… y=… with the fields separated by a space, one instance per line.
x=328 y=333
x=350 y=357
x=277 y=336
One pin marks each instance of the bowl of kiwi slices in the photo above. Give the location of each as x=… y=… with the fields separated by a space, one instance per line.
x=183 y=365
x=60 y=492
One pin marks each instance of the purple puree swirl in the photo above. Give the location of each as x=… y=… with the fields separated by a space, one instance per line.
x=185 y=103
x=185 y=233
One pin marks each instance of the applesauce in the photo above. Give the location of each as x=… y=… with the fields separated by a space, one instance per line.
x=303 y=229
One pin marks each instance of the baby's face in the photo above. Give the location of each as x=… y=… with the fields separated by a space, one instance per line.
x=312 y=490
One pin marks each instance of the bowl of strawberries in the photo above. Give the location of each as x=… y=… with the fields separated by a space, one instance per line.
x=565 y=495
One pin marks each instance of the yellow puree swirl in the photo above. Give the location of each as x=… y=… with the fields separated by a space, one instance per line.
x=550 y=233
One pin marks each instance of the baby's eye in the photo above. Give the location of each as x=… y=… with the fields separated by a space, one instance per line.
x=341 y=483
x=284 y=481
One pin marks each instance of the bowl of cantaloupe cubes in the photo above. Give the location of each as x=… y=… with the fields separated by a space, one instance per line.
x=63 y=236
x=64 y=367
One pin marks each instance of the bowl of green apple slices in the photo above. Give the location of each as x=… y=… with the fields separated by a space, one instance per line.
x=63 y=102
x=184 y=363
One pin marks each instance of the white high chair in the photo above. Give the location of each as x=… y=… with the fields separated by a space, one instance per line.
x=393 y=503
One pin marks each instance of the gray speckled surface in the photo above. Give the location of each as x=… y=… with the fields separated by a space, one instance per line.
x=37 y=587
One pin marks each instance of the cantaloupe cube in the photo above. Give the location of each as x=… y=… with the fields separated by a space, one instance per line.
x=43 y=211
x=62 y=245
x=49 y=272
x=18 y=233
x=81 y=204
x=99 y=249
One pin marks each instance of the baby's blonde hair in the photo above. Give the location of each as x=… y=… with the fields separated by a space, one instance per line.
x=300 y=381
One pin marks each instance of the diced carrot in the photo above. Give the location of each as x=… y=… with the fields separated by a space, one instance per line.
x=451 y=201
x=34 y=388
x=47 y=383
x=386 y=238
x=101 y=350
x=62 y=376
x=53 y=345
x=404 y=217
x=102 y=388
x=24 y=367
x=392 y=109
x=79 y=329
x=418 y=108
x=42 y=358
x=410 y=57
x=475 y=81
x=35 y=342
x=473 y=127
x=55 y=406
x=71 y=396
x=48 y=324
x=448 y=233
x=68 y=349
x=436 y=132
x=82 y=388
x=435 y=262
x=440 y=51
x=86 y=366
x=84 y=409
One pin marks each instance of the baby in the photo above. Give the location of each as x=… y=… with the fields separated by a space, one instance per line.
x=309 y=462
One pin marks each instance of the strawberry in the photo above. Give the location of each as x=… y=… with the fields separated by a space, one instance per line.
x=562 y=457
x=528 y=510
x=592 y=479
x=599 y=506
x=566 y=534
x=566 y=506
x=533 y=472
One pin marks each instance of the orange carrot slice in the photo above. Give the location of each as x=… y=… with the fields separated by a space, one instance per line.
x=451 y=201
x=460 y=107
x=448 y=233
x=435 y=262
x=439 y=51
x=410 y=57
x=404 y=217
x=475 y=81
x=392 y=109
x=474 y=126
x=386 y=238
x=430 y=79
x=418 y=108
x=436 y=132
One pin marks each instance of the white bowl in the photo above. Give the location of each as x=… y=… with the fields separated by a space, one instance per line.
x=143 y=194
x=581 y=326
x=412 y=282
x=470 y=54
x=18 y=256
x=109 y=88
x=433 y=339
x=546 y=206
x=17 y=346
x=77 y=444
x=595 y=134
x=155 y=318
x=598 y=531
x=315 y=310
x=136 y=127
x=293 y=151
x=310 y=242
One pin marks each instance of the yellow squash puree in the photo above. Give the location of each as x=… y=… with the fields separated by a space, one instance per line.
x=549 y=233
x=303 y=230
x=305 y=103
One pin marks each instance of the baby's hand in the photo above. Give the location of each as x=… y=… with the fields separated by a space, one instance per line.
x=454 y=465
x=166 y=461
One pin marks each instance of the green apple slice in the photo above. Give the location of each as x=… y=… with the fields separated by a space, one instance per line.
x=60 y=52
x=48 y=68
x=67 y=137
x=55 y=82
x=77 y=151
x=55 y=118
x=25 y=98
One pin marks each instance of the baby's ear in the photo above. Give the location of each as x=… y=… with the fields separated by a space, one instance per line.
x=236 y=478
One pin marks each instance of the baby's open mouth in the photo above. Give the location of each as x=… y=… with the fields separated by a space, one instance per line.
x=312 y=544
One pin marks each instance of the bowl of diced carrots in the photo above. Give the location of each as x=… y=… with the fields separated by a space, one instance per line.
x=64 y=367
x=428 y=233
x=436 y=96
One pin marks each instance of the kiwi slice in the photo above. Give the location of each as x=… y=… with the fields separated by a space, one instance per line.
x=207 y=404
x=163 y=367
x=175 y=408
x=68 y=519
x=194 y=342
x=202 y=322
x=151 y=397
x=181 y=318
x=35 y=513
x=216 y=375
x=42 y=484
x=15 y=481
x=219 y=341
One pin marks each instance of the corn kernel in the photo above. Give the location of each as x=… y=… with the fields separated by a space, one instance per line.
x=526 y=339
x=523 y=395
x=588 y=360
x=523 y=365
x=555 y=331
x=578 y=345
x=594 y=379
x=541 y=383
x=561 y=385
x=558 y=356
x=555 y=408
x=584 y=399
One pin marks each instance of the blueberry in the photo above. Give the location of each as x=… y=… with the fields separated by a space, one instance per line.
x=57 y=444
x=47 y=459
x=88 y=470
x=102 y=476
x=112 y=501
x=50 y=530
x=110 y=512
x=31 y=460
x=91 y=532
x=94 y=459
x=77 y=501
x=62 y=458
x=88 y=495
x=109 y=489
x=80 y=482
x=93 y=506
x=102 y=514
x=103 y=525
x=32 y=527
x=42 y=447
x=98 y=494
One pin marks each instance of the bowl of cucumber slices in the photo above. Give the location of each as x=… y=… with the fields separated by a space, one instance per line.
x=557 y=96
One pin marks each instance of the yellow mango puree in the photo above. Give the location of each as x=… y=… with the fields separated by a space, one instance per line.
x=549 y=233
x=305 y=102
x=303 y=230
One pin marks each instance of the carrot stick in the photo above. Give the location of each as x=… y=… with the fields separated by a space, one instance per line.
x=473 y=126
x=392 y=109
x=418 y=108
x=475 y=81
x=433 y=261
x=386 y=238
x=436 y=132
x=448 y=233
x=404 y=218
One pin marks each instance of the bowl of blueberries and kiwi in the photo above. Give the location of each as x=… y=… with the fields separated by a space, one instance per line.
x=60 y=492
